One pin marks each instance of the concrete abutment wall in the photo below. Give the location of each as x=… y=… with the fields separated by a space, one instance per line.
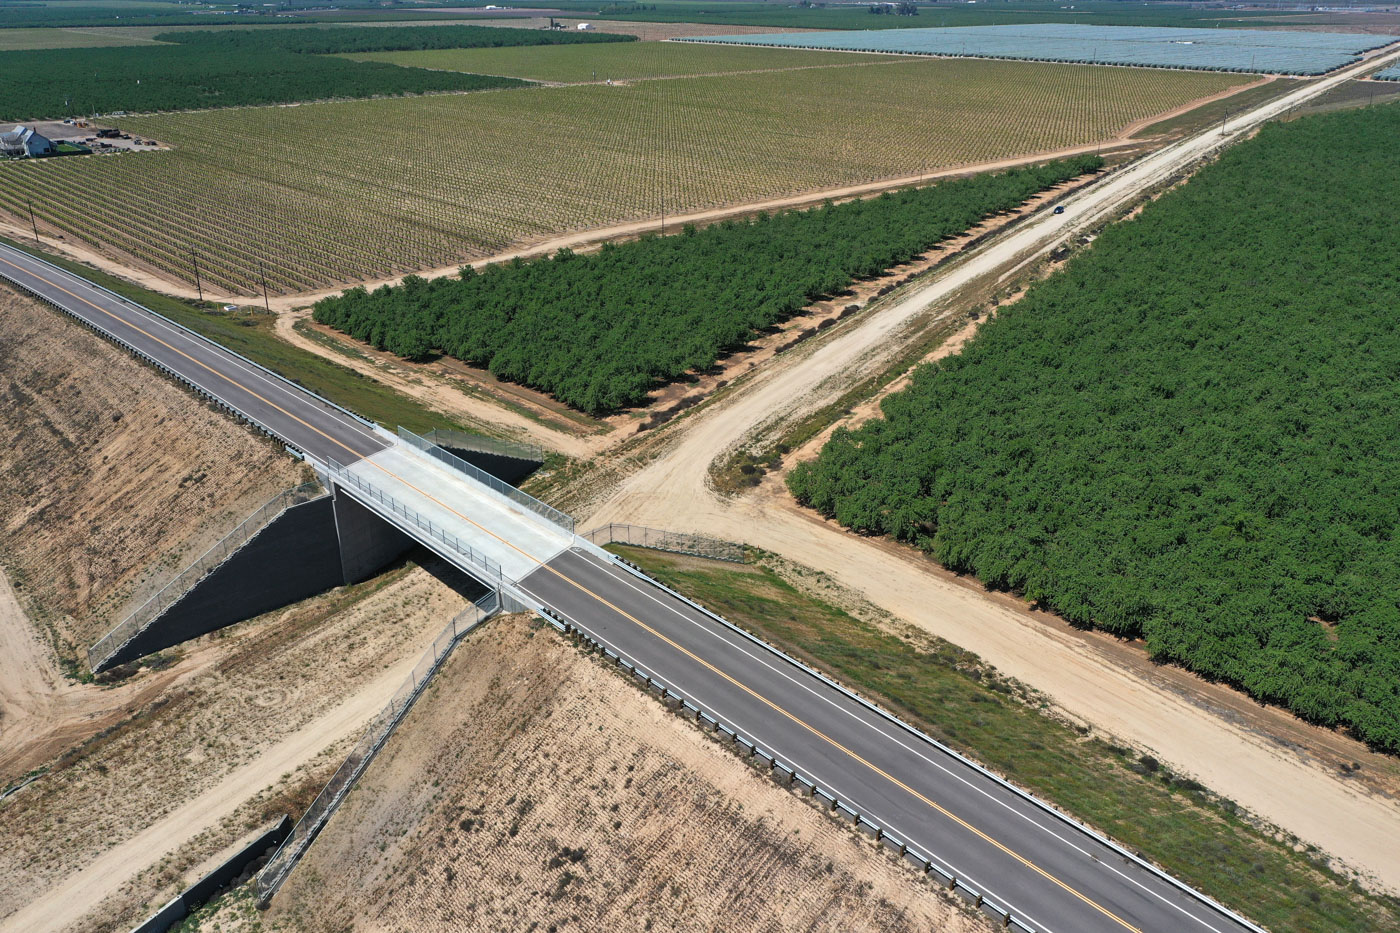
x=366 y=542
x=293 y=557
x=310 y=548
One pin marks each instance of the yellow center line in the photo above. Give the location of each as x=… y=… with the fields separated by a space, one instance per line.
x=626 y=615
x=835 y=744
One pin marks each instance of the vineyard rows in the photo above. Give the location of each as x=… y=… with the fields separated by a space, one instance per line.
x=330 y=193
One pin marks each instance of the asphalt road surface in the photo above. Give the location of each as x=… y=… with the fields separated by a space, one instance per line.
x=1050 y=873
x=1045 y=869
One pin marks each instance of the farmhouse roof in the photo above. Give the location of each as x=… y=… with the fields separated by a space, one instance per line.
x=17 y=136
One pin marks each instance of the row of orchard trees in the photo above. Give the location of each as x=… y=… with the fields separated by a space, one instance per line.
x=1189 y=435
x=601 y=330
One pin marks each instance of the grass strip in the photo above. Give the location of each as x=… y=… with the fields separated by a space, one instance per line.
x=953 y=696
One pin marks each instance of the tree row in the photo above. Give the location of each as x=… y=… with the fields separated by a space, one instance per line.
x=601 y=330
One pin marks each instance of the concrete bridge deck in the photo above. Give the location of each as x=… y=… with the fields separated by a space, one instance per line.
x=511 y=537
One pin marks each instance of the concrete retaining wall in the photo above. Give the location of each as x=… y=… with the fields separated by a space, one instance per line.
x=193 y=897
x=511 y=470
x=295 y=556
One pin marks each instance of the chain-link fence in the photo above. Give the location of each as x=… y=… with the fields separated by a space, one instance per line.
x=461 y=440
x=486 y=479
x=275 y=872
x=173 y=591
x=363 y=487
x=676 y=541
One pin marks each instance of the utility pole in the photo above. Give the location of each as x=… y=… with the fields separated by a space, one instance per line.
x=32 y=223
x=262 y=273
x=198 y=287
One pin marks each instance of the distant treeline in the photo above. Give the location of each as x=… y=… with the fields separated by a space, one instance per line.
x=601 y=330
x=71 y=13
x=241 y=67
x=329 y=40
x=1189 y=435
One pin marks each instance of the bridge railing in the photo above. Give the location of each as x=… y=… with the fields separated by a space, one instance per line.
x=547 y=512
x=275 y=872
x=173 y=591
x=480 y=561
x=461 y=440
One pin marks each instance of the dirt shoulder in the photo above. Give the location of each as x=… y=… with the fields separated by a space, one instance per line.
x=617 y=815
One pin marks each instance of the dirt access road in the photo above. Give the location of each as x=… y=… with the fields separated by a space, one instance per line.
x=42 y=711
x=70 y=901
x=1226 y=752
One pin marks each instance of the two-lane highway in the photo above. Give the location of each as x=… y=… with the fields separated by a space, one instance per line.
x=1047 y=870
x=1052 y=874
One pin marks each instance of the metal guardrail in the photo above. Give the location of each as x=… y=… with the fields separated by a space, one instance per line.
x=547 y=512
x=484 y=564
x=275 y=872
x=461 y=440
x=788 y=775
x=152 y=609
x=658 y=539
x=1042 y=805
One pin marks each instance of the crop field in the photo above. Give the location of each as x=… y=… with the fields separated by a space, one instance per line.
x=18 y=39
x=200 y=69
x=332 y=193
x=1187 y=435
x=1388 y=74
x=622 y=61
x=1249 y=50
x=601 y=330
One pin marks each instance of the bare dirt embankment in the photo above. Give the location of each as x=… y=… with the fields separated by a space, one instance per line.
x=111 y=479
x=107 y=469
x=531 y=788
x=252 y=728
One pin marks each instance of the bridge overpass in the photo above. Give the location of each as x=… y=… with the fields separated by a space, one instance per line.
x=1015 y=857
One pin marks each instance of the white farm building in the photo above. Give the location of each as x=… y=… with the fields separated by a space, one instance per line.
x=24 y=141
